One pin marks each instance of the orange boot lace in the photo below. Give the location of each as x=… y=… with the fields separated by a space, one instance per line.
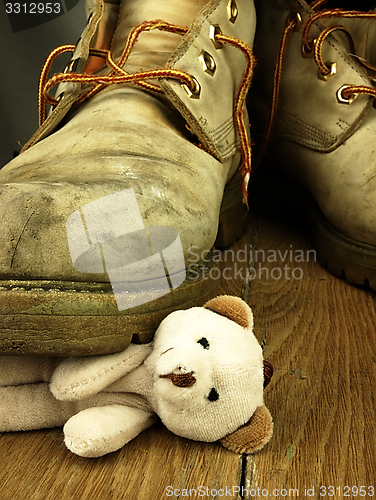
x=347 y=93
x=143 y=79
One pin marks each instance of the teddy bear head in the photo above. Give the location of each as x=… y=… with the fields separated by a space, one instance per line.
x=208 y=374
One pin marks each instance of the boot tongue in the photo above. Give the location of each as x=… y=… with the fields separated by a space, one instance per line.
x=153 y=49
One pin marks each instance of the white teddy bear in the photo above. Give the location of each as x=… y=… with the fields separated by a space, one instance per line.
x=203 y=376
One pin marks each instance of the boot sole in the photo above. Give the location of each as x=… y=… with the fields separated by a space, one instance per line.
x=274 y=194
x=57 y=318
x=52 y=318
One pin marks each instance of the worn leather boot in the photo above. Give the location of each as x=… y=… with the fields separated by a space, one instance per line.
x=312 y=100
x=110 y=212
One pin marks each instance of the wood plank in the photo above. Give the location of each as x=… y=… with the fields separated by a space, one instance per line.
x=37 y=466
x=319 y=333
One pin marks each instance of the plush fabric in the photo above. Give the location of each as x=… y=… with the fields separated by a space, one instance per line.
x=203 y=376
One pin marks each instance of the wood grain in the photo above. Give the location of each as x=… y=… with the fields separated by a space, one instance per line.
x=37 y=466
x=318 y=332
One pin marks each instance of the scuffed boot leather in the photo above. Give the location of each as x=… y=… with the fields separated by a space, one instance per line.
x=319 y=155
x=178 y=152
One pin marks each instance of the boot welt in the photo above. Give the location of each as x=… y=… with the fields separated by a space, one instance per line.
x=56 y=318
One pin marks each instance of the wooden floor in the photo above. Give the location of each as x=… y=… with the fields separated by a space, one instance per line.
x=318 y=332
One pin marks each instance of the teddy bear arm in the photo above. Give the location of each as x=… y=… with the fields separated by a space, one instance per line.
x=81 y=377
x=99 y=430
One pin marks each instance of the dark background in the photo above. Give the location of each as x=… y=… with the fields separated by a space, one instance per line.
x=24 y=50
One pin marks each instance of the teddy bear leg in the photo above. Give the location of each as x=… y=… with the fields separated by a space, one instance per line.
x=96 y=431
x=32 y=406
x=17 y=370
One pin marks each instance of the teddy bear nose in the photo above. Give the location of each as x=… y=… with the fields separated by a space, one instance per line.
x=180 y=379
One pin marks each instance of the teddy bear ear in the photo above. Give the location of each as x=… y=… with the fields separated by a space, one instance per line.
x=233 y=308
x=253 y=435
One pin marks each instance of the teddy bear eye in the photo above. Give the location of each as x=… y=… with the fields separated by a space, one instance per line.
x=213 y=395
x=204 y=342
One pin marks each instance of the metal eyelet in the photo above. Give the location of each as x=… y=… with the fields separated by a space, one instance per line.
x=215 y=30
x=208 y=63
x=71 y=66
x=295 y=16
x=195 y=92
x=75 y=65
x=58 y=99
x=332 y=67
x=308 y=53
x=232 y=11
x=345 y=100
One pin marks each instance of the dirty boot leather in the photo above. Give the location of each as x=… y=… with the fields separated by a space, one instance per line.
x=169 y=141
